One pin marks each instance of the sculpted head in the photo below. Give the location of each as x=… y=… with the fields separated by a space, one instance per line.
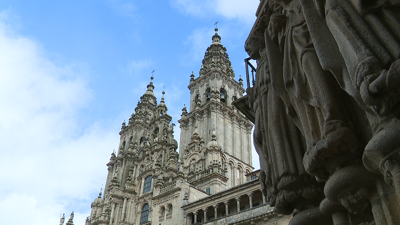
x=253 y=45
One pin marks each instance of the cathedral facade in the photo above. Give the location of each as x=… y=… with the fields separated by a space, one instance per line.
x=210 y=180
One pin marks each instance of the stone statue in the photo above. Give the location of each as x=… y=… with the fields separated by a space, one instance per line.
x=71 y=217
x=327 y=103
x=62 y=219
x=284 y=175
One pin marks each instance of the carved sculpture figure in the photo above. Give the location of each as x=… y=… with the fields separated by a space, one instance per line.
x=326 y=101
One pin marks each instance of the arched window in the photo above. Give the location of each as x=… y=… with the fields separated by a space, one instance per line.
x=222 y=96
x=144 y=217
x=208 y=94
x=169 y=209
x=147 y=184
x=234 y=98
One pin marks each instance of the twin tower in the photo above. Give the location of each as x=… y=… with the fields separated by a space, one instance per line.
x=149 y=180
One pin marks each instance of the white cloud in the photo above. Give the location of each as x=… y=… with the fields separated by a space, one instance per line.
x=238 y=9
x=125 y=8
x=198 y=41
x=48 y=165
x=136 y=67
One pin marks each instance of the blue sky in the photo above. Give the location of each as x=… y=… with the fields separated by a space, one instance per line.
x=72 y=71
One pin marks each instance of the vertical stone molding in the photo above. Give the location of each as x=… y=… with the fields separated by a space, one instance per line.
x=250 y=200
x=238 y=204
x=215 y=211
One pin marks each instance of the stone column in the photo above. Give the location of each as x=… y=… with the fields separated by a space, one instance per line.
x=195 y=217
x=186 y=215
x=116 y=213
x=205 y=215
x=251 y=200
x=226 y=208
x=112 y=213
x=215 y=211
x=123 y=210
x=263 y=197
x=238 y=204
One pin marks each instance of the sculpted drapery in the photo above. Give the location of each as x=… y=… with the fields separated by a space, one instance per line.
x=326 y=103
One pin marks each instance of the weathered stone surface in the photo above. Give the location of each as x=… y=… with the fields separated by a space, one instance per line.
x=326 y=94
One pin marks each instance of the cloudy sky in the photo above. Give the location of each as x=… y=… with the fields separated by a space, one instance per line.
x=72 y=71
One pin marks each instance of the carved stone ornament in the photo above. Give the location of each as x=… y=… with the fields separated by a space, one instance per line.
x=326 y=103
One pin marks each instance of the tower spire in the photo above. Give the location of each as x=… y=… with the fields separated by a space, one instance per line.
x=150 y=87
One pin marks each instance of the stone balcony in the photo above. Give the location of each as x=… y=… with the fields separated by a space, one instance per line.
x=243 y=216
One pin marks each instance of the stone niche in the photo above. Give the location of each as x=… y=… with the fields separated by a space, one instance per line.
x=325 y=104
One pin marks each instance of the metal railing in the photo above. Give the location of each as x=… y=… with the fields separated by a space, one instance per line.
x=253 y=71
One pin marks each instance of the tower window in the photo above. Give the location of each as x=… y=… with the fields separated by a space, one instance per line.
x=147 y=184
x=208 y=94
x=144 y=217
x=222 y=95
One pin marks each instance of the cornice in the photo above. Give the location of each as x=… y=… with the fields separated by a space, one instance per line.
x=214 y=74
x=220 y=108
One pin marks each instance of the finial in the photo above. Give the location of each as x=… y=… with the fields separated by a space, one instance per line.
x=213 y=134
x=162 y=98
x=101 y=191
x=191 y=77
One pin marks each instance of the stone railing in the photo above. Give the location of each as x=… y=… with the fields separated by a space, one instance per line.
x=211 y=170
x=242 y=215
x=168 y=187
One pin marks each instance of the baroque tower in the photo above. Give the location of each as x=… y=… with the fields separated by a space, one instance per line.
x=149 y=182
x=213 y=119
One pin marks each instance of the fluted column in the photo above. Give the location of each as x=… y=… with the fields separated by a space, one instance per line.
x=251 y=200
x=226 y=208
x=238 y=204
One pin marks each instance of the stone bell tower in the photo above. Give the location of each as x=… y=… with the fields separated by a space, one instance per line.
x=213 y=120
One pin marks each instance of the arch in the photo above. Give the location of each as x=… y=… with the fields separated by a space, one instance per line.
x=192 y=156
x=197 y=98
x=169 y=208
x=223 y=96
x=155 y=134
x=208 y=94
x=142 y=140
x=232 y=163
x=162 y=211
x=144 y=215
x=240 y=166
